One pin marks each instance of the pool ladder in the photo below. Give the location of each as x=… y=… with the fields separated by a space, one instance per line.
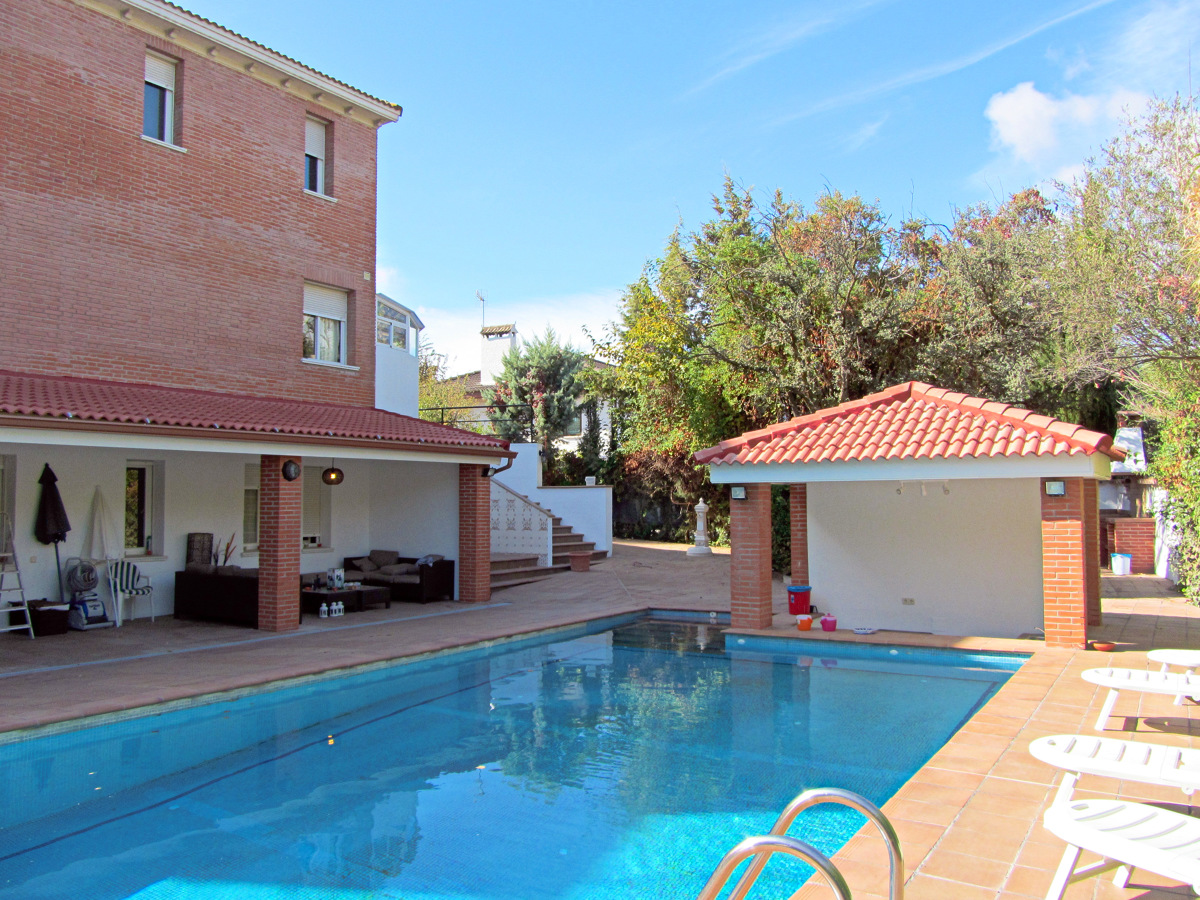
x=759 y=848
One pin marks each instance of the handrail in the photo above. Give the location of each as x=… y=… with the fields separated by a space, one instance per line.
x=846 y=798
x=761 y=847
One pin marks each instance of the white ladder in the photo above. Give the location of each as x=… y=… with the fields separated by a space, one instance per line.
x=12 y=597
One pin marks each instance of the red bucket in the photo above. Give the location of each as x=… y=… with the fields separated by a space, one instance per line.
x=799 y=597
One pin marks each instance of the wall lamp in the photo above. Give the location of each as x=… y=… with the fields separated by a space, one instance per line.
x=290 y=470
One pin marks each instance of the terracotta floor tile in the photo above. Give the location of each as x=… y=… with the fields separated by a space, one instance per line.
x=952 y=866
x=924 y=887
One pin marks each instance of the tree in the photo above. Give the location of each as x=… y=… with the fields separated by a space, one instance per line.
x=441 y=399
x=536 y=394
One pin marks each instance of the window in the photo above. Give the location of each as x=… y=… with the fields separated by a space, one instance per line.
x=324 y=323
x=143 y=507
x=391 y=325
x=158 y=99
x=314 y=509
x=314 y=155
x=250 y=508
x=575 y=426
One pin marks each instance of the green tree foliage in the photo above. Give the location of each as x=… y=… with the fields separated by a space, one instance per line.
x=441 y=399
x=535 y=396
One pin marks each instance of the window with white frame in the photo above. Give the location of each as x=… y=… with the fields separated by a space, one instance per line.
x=143 y=507
x=391 y=326
x=158 y=98
x=314 y=155
x=325 y=311
x=250 y=507
x=315 y=509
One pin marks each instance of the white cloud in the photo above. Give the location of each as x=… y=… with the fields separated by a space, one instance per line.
x=456 y=332
x=865 y=134
x=389 y=280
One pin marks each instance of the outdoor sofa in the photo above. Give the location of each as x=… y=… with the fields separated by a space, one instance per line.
x=411 y=579
x=225 y=594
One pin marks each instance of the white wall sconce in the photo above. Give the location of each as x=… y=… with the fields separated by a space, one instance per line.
x=1056 y=488
x=737 y=492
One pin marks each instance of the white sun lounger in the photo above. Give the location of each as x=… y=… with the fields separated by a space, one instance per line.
x=1117 y=680
x=1188 y=660
x=1127 y=836
x=1079 y=754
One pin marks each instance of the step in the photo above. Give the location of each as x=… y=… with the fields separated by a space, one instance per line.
x=597 y=556
x=512 y=577
x=503 y=561
x=562 y=529
x=564 y=539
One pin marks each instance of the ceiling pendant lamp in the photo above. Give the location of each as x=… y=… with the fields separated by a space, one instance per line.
x=333 y=475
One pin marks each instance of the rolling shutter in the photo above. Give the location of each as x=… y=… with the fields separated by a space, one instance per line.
x=327 y=302
x=314 y=138
x=161 y=71
x=312 y=496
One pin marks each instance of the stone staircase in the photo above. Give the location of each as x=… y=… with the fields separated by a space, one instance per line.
x=511 y=569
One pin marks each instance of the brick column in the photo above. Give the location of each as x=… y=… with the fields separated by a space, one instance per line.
x=799 y=518
x=1064 y=565
x=750 y=563
x=278 y=546
x=1135 y=537
x=1091 y=523
x=474 y=535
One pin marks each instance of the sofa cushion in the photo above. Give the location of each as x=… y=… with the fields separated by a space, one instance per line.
x=377 y=578
x=364 y=564
x=400 y=569
x=353 y=576
x=383 y=558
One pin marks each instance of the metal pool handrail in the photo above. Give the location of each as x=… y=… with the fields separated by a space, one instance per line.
x=845 y=798
x=761 y=847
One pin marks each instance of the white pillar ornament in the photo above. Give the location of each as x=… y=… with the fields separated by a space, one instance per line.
x=701 y=547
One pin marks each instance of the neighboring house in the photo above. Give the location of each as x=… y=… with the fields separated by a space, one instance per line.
x=187 y=273
x=496 y=342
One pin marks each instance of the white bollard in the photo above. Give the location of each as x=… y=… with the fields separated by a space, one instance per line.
x=701 y=547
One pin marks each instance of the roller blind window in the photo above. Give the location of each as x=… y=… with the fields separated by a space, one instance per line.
x=324 y=323
x=314 y=155
x=158 y=99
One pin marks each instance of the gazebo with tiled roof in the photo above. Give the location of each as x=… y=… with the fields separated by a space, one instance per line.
x=925 y=510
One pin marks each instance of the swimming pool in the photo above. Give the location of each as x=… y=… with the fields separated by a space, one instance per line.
x=613 y=760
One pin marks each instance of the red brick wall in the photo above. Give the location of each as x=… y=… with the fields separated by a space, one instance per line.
x=278 y=546
x=799 y=527
x=127 y=260
x=1065 y=554
x=1136 y=537
x=1091 y=524
x=474 y=535
x=750 y=564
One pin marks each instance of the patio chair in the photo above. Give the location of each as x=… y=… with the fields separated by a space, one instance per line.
x=1126 y=835
x=126 y=582
x=1148 y=763
x=1188 y=660
x=1116 y=680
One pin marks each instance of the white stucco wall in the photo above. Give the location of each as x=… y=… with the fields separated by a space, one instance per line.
x=410 y=507
x=970 y=559
x=396 y=380
x=414 y=509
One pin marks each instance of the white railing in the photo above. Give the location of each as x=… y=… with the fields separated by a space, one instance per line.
x=519 y=525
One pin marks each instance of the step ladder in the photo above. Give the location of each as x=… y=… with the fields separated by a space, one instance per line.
x=759 y=849
x=12 y=591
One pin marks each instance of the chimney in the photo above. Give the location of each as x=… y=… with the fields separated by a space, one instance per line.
x=497 y=340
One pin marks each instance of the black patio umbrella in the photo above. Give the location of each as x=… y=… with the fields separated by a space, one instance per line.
x=52 y=524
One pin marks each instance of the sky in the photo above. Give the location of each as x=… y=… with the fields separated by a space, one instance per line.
x=547 y=150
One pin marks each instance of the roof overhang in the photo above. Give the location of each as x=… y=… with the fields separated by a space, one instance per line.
x=194 y=33
x=21 y=430
x=1077 y=465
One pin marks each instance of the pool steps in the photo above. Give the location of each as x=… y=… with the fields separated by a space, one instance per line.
x=759 y=848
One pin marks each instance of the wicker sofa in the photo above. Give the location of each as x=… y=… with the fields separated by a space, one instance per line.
x=408 y=581
x=226 y=594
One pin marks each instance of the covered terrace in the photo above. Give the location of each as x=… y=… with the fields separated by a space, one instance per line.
x=923 y=510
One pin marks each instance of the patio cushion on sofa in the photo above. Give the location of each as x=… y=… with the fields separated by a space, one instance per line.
x=352 y=575
x=400 y=569
x=383 y=558
x=364 y=564
x=378 y=578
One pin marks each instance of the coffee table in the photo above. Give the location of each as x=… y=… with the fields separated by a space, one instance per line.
x=354 y=598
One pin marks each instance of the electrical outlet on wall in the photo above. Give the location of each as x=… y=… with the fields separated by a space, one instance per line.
x=908 y=601
x=32 y=559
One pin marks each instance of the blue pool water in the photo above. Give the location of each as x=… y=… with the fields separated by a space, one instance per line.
x=615 y=764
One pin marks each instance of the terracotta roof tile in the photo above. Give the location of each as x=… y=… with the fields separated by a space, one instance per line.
x=142 y=407
x=911 y=421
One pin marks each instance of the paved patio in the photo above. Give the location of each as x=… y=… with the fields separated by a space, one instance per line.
x=969 y=820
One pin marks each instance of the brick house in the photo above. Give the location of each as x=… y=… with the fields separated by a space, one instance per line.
x=187 y=273
x=920 y=509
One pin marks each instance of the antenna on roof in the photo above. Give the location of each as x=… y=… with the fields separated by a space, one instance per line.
x=482 y=309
